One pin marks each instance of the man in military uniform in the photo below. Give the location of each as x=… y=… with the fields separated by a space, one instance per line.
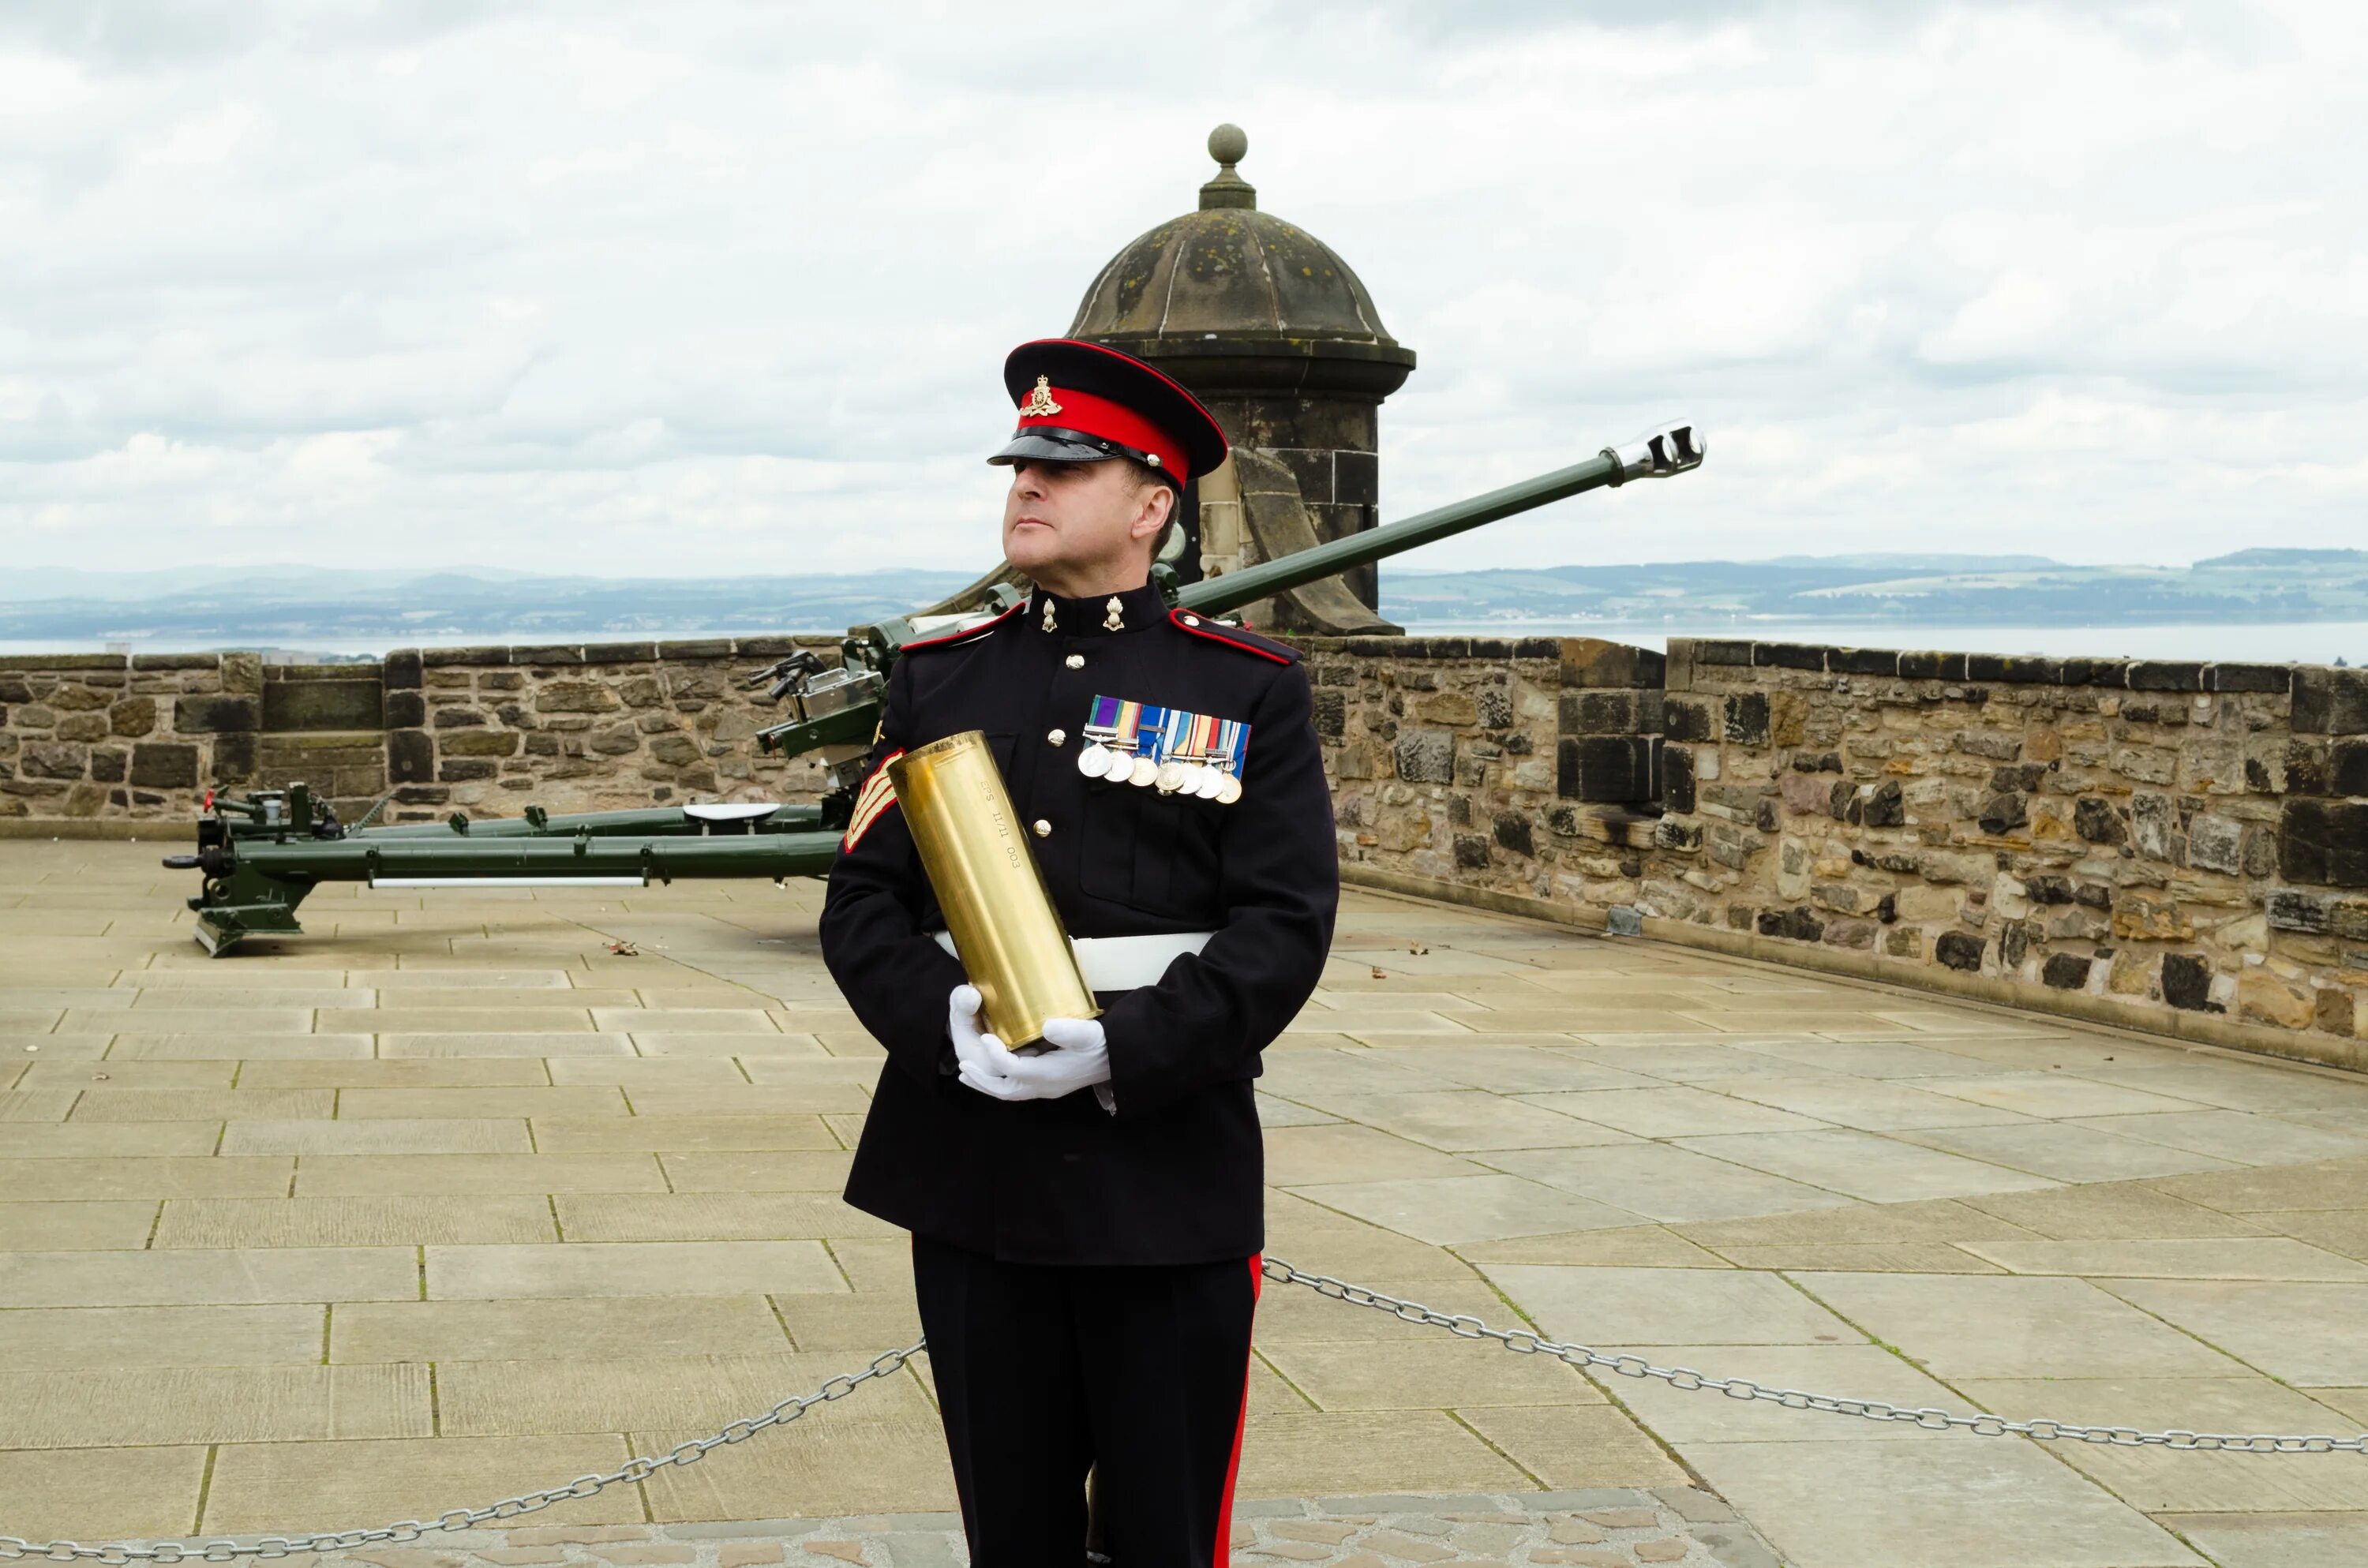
x=1087 y=1218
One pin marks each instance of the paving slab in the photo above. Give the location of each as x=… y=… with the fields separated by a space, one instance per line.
x=1941 y=1504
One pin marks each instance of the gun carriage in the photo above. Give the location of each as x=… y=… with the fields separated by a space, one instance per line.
x=261 y=855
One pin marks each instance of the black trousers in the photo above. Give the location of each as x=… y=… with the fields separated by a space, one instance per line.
x=1139 y=1373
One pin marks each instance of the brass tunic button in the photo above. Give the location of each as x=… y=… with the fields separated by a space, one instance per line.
x=1056 y=737
x=1044 y=828
x=1075 y=661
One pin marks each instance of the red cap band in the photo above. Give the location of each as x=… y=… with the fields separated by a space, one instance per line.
x=1112 y=422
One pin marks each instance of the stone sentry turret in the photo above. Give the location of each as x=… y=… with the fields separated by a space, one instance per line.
x=1271 y=329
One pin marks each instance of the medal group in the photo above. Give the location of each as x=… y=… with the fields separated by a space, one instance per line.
x=1167 y=749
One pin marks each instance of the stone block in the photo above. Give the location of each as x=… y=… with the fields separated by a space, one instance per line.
x=481 y=743
x=2064 y=972
x=1795 y=925
x=2002 y=814
x=1720 y=651
x=291 y=706
x=165 y=765
x=2099 y=821
x=448 y=658
x=1426 y=756
x=1677 y=779
x=1789 y=655
x=1862 y=661
x=2147 y=675
x=674 y=750
x=2186 y=982
x=1610 y=712
x=2112 y=672
x=132 y=717
x=1924 y=666
x=2151 y=917
x=401 y=670
x=1690 y=719
x=1746 y=719
x=2009 y=669
x=234 y=758
x=216 y=715
x=54 y=759
x=2249 y=678
x=107 y=764
x=241 y=675
x=1513 y=833
x=2323 y=843
x=1452 y=709
x=465 y=770
x=1885 y=806
x=576 y=697
x=457 y=718
x=2347 y=768
x=1592 y=662
x=82 y=727
x=2328 y=701
x=1959 y=949
x=405 y=710
x=1605 y=768
x=2216 y=844
x=410 y=757
x=2262 y=997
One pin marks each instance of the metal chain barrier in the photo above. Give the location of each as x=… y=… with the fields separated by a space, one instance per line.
x=1520 y=1341
x=1523 y=1342
x=635 y=1469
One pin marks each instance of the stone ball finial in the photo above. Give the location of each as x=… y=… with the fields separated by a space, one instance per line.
x=1228 y=145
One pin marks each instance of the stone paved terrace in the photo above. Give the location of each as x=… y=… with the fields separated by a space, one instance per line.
x=453 y=1199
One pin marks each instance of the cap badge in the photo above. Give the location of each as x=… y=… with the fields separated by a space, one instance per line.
x=1040 y=400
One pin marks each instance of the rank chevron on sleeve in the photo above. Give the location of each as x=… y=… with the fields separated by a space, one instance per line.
x=879 y=793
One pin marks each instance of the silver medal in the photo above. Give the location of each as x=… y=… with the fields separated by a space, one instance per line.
x=1142 y=772
x=1094 y=762
x=1212 y=784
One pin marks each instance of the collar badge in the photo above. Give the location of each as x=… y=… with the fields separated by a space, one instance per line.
x=1114 y=614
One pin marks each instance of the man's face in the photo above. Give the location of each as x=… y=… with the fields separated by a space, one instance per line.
x=1076 y=520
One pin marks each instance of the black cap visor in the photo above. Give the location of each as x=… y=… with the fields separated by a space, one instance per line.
x=1047 y=444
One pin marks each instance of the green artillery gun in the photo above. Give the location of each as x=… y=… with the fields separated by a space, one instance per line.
x=263 y=854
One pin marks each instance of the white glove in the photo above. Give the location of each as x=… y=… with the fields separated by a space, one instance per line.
x=1075 y=1057
x=961 y=1027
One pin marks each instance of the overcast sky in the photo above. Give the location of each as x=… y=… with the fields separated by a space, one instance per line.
x=712 y=286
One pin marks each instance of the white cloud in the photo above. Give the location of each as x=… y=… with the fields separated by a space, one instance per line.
x=725 y=286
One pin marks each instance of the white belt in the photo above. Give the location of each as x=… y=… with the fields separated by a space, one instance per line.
x=1122 y=963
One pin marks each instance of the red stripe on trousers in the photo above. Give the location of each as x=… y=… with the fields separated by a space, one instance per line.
x=1224 y=1551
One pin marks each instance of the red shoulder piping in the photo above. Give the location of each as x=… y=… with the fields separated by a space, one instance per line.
x=1199 y=627
x=966 y=632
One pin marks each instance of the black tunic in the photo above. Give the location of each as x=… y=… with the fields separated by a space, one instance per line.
x=1176 y=1174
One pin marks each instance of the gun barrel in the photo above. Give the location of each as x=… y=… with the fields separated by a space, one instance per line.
x=1672 y=449
x=543 y=860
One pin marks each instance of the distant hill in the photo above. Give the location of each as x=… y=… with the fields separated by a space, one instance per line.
x=324 y=609
x=2287 y=557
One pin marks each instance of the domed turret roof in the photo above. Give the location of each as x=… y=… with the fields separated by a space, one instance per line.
x=1228 y=296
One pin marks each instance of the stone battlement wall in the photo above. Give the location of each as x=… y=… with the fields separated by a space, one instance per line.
x=2177 y=846
x=106 y=741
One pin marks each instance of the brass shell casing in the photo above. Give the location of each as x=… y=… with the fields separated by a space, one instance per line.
x=1005 y=931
